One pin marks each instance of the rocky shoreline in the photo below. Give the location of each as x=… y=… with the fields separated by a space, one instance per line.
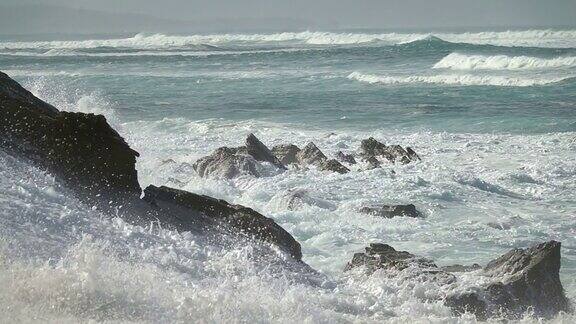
x=92 y=159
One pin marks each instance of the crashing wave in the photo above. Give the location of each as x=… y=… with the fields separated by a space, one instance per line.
x=533 y=38
x=454 y=79
x=456 y=61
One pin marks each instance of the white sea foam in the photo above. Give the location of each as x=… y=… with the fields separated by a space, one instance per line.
x=456 y=79
x=457 y=61
x=536 y=38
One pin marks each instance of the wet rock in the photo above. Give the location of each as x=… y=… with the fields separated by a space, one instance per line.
x=286 y=153
x=395 y=153
x=389 y=211
x=520 y=281
x=81 y=149
x=334 y=166
x=260 y=152
x=346 y=158
x=383 y=256
x=227 y=163
x=372 y=162
x=311 y=155
x=243 y=219
x=528 y=279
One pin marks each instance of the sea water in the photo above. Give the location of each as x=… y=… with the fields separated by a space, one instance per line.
x=491 y=113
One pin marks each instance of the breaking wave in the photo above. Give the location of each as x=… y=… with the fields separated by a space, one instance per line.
x=454 y=79
x=532 y=38
x=456 y=61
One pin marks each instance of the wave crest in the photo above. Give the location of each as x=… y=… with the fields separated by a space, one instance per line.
x=454 y=79
x=456 y=61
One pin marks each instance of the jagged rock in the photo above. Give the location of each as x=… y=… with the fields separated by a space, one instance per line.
x=334 y=166
x=528 y=279
x=311 y=155
x=81 y=149
x=383 y=256
x=260 y=152
x=227 y=163
x=520 y=281
x=412 y=154
x=244 y=219
x=387 y=211
x=346 y=158
x=286 y=153
x=372 y=162
x=395 y=153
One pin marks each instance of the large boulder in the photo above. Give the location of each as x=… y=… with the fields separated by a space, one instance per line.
x=390 y=211
x=242 y=219
x=519 y=282
x=81 y=149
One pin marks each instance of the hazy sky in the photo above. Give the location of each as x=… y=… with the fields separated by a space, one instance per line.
x=348 y=13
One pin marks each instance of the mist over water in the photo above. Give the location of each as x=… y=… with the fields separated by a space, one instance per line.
x=492 y=114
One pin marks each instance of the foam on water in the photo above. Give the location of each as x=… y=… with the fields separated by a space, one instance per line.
x=456 y=61
x=457 y=79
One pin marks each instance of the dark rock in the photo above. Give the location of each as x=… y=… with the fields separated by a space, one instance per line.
x=227 y=163
x=412 y=155
x=372 y=162
x=387 y=211
x=311 y=155
x=468 y=302
x=81 y=149
x=286 y=153
x=334 y=166
x=529 y=279
x=522 y=280
x=260 y=152
x=346 y=158
x=383 y=256
x=395 y=153
x=244 y=219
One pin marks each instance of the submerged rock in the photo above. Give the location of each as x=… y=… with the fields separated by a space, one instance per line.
x=81 y=149
x=520 y=281
x=286 y=153
x=296 y=199
x=389 y=211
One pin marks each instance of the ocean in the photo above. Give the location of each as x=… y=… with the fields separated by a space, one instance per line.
x=491 y=113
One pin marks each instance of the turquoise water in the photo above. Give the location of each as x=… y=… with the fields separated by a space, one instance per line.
x=492 y=113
